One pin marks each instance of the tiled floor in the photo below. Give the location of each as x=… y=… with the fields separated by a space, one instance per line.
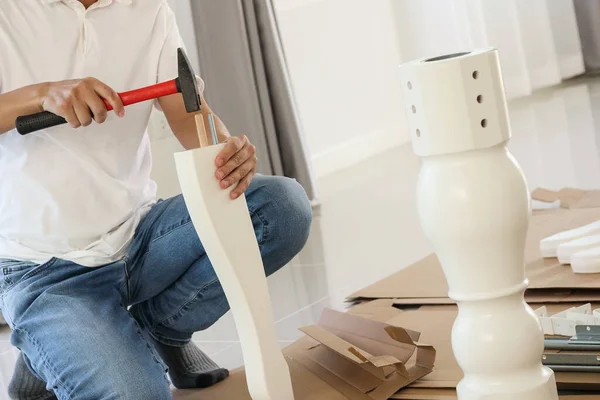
x=368 y=227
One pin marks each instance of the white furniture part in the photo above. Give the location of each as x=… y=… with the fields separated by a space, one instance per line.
x=549 y=245
x=564 y=322
x=566 y=250
x=587 y=261
x=473 y=204
x=225 y=229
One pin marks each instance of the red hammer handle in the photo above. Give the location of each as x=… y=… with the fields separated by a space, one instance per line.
x=146 y=93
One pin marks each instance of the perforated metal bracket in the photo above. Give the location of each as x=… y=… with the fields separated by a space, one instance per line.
x=586 y=334
x=587 y=338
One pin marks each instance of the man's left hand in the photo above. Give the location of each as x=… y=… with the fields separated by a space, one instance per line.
x=236 y=165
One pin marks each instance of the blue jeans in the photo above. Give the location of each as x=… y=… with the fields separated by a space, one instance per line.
x=72 y=322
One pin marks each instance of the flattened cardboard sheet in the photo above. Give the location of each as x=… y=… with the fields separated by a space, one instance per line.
x=569 y=197
x=534 y=296
x=307 y=386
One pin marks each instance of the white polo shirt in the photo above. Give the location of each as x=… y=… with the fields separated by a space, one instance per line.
x=79 y=194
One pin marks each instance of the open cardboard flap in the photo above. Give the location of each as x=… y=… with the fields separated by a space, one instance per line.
x=375 y=358
x=344 y=356
x=424 y=282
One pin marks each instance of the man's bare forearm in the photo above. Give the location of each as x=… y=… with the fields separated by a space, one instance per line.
x=24 y=101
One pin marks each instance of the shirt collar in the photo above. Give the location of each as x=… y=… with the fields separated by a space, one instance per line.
x=125 y=2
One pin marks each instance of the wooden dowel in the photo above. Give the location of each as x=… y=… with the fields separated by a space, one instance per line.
x=201 y=130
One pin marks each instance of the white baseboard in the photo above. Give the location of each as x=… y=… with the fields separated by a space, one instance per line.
x=355 y=151
x=571 y=66
x=544 y=76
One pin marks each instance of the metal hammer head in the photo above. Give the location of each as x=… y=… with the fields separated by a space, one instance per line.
x=186 y=83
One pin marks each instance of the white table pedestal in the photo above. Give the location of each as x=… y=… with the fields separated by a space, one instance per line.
x=473 y=204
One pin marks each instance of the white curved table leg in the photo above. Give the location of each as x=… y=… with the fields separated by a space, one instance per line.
x=473 y=205
x=225 y=229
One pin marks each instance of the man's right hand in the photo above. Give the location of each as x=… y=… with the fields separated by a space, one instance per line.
x=80 y=100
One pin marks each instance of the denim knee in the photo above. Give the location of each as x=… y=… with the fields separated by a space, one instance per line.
x=286 y=211
x=145 y=385
x=143 y=389
x=298 y=211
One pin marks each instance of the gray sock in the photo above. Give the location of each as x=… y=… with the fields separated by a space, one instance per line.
x=189 y=367
x=24 y=385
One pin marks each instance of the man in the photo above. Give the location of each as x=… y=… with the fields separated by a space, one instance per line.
x=102 y=285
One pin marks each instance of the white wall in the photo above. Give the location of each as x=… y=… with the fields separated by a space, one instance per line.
x=537 y=40
x=343 y=59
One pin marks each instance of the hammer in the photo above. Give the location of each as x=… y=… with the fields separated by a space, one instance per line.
x=185 y=84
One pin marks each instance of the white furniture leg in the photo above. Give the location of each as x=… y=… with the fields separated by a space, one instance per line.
x=225 y=229
x=473 y=204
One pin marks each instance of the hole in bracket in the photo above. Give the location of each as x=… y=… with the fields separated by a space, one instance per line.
x=480 y=99
x=418 y=132
x=475 y=74
x=483 y=123
x=414 y=109
x=409 y=85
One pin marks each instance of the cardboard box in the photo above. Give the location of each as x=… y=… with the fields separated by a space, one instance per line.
x=549 y=282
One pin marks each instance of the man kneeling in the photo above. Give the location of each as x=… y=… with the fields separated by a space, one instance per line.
x=102 y=284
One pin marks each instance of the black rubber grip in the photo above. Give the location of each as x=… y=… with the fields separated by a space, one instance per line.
x=35 y=122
